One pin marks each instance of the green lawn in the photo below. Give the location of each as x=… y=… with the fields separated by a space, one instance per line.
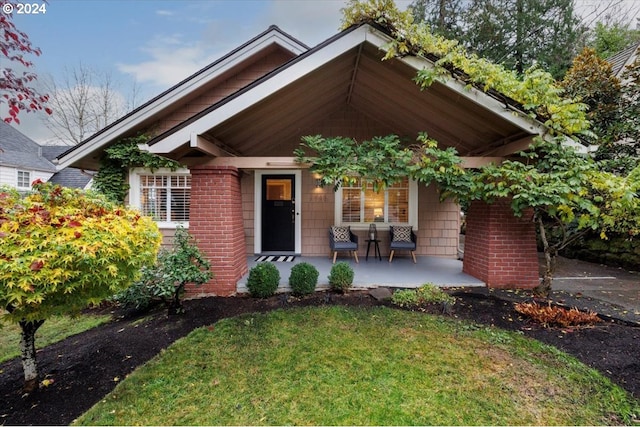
x=345 y=366
x=55 y=329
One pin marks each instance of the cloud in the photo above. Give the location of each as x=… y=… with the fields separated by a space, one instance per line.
x=311 y=22
x=170 y=60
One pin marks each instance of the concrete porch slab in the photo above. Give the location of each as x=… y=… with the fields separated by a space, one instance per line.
x=401 y=273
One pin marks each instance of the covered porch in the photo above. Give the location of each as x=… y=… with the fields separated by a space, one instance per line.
x=373 y=273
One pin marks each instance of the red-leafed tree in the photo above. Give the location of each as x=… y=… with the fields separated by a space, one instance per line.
x=16 y=87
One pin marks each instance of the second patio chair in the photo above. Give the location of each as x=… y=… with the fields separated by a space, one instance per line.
x=402 y=238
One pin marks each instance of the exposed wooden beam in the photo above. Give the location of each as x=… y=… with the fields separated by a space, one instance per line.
x=258 y=162
x=202 y=144
x=476 y=162
x=290 y=162
x=513 y=147
x=505 y=146
x=355 y=74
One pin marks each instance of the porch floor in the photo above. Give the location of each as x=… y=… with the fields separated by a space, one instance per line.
x=401 y=273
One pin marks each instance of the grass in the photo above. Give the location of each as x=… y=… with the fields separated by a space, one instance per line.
x=345 y=366
x=52 y=330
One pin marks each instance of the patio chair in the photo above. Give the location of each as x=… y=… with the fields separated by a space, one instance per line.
x=342 y=239
x=402 y=238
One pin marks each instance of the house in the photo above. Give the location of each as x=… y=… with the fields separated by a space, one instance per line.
x=22 y=161
x=235 y=124
x=623 y=59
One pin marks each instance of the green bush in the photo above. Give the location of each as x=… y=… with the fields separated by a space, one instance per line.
x=183 y=263
x=303 y=278
x=426 y=294
x=405 y=298
x=341 y=276
x=263 y=280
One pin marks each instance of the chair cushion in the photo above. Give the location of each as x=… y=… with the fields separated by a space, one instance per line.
x=410 y=246
x=341 y=234
x=345 y=246
x=402 y=233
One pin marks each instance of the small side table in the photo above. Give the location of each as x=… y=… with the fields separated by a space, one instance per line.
x=376 y=248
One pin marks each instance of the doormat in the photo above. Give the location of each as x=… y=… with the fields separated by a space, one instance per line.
x=276 y=258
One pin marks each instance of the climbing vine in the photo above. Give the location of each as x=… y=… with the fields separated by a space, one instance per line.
x=111 y=179
x=536 y=92
x=384 y=160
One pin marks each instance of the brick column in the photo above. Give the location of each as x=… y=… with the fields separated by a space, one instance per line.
x=500 y=249
x=215 y=220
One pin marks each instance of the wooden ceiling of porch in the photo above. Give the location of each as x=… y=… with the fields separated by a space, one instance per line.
x=358 y=84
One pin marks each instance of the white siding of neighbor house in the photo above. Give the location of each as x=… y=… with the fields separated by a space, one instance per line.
x=9 y=175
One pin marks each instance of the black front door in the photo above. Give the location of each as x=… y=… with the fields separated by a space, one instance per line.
x=278 y=213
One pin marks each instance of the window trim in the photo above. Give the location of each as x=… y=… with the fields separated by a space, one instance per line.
x=413 y=211
x=29 y=180
x=134 y=191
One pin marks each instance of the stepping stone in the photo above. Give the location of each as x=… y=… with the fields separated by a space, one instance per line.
x=380 y=293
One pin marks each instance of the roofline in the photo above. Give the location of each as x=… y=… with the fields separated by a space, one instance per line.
x=627 y=54
x=52 y=169
x=496 y=102
x=200 y=77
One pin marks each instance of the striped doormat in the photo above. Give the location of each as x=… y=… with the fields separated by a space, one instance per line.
x=276 y=258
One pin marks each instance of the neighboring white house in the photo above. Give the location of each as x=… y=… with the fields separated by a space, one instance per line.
x=22 y=161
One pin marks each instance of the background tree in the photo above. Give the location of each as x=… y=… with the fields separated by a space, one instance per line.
x=614 y=109
x=85 y=100
x=591 y=80
x=620 y=151
x=609 y=39
x=515 y=33
x=17 y=87
x=444 y=17
x=521 y=33
x=63 y=249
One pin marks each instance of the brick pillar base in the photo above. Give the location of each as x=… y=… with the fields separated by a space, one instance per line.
x=500 y=249
x=215 y=221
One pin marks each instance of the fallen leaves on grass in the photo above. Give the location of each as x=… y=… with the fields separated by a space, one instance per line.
x=549 y=315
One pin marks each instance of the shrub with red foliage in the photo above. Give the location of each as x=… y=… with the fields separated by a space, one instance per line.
x=551 y=315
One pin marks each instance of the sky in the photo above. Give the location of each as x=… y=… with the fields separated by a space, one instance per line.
x=154 y=44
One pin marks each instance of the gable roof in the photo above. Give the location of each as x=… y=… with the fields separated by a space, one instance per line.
x=144 y=114
x=623 y=58
x=344 y=73
x=67 y=177
x=19 y=151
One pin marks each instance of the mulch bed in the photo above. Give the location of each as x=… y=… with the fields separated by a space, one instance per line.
x=85 y=367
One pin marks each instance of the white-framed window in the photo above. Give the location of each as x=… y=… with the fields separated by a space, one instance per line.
x=23 y=180
x=397 y=204
x=163 y=195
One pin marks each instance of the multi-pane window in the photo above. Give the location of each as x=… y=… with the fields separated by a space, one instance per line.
x=166 y=198
x=24 y=180
x=366 y=205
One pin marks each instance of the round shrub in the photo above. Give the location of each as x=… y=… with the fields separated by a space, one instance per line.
x=303 y=278
x=341 y=276
x=263 y=280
